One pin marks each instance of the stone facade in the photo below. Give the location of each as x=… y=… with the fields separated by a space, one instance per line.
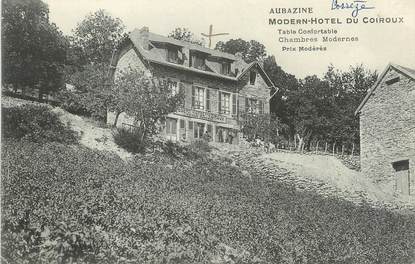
x=219 y=119
x=387 y=132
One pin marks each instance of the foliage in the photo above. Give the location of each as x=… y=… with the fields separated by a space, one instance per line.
x=72 y=204
x=93 y=91
x=250 y=50
x=33 y=50
x=35 y=123
x=323 y=109
x=144 y=99
x=186 y=35
x=95 y=38
x=199 y=147
x=262 y=126
x=130 y=139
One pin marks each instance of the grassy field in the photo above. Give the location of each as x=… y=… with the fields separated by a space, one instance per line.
x=66 y=204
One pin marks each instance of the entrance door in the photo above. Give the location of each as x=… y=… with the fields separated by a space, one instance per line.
x=402 y=176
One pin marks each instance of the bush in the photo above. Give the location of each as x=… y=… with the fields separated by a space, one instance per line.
x=130 y=139
x=199 y=147
x=73 y=103
x=35 y=123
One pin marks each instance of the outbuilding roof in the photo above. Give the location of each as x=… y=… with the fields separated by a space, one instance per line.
x=404 y=70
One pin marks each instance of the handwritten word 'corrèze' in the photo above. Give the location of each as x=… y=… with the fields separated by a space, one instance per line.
x=356 y=6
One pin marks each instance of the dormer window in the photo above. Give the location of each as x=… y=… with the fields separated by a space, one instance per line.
x=252 y=77
x=225 y=68
x=197 y=61
x=172 y=55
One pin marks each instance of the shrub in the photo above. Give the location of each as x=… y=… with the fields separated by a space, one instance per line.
x=36 y=123
x=73 y=103
x=199 y=146
x=130 y=139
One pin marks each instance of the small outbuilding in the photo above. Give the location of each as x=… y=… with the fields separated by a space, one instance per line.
x=387 y=131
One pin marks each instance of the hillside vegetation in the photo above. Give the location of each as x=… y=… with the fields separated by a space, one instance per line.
x=68 y=203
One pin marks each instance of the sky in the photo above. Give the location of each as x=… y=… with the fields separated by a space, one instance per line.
x=378 y=44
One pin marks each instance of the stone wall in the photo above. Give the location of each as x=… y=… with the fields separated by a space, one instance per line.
x=128 y=57
x=387 y=131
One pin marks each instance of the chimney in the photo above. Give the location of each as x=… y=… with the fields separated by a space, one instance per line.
x=144 y=36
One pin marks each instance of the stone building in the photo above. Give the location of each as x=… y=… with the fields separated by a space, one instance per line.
x=387 y=131
x=219 y=87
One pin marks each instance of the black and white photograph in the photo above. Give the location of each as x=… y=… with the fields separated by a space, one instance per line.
x=207 y=131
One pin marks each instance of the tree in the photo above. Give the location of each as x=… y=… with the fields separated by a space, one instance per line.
x=96 y=37
x=250 y=50
x=144 y=99
x=185 y=35
x=266 y=127
x=285 y=82
x=34 y=50
x=93 y=90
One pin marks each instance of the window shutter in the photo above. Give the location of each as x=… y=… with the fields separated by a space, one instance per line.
x=193 y=97
x=190 y=125
x=219 y=102
x=261 y=107
x=234 y=104
x=207 y=99
x=246 y=105
x=168 y=126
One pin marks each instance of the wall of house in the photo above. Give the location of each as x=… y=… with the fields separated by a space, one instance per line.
x=128 y=57
x=387 y=131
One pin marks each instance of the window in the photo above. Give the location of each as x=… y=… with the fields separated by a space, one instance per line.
x=172 y=55
x=225 y=103
x=251 y=105
x=171 y=85
x=197 y=62
x=225 y=68
x=198 y=98
x=208 y=100
x=252 y=77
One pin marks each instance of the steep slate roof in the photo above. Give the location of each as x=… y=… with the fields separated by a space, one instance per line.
x=404 y=70
x=157 y=58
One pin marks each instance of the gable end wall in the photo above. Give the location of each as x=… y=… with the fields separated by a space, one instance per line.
x=387 y=130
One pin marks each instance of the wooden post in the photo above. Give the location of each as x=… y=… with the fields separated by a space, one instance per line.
x=351 y=155
x=342 y=149
x=295 y=143
x=334 y=146
x=317 y=146
x=325 y=149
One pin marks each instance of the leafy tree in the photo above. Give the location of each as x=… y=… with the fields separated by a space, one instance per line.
x=34 y=50
x=250 y=50
x=285 y=82
x=144 y=99
x=185 y=35
x=266 y=127
x=95 y=38
x=93 y=91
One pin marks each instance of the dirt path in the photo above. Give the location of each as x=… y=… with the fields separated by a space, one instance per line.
x=329 y=170
x=325 y=175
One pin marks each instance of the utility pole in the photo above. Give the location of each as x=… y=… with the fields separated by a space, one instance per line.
x=210 y=35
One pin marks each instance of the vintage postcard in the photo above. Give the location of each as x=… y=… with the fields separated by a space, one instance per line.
x=232 y=131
